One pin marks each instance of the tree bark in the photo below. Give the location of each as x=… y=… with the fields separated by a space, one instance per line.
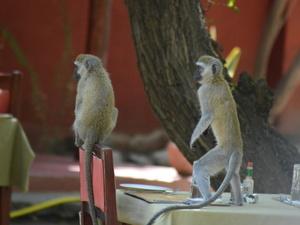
x=169 y=37
x=139 y=143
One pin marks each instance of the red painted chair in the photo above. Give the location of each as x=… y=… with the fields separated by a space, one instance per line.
x=10 y=84
x=103 y=187
x=9 y=103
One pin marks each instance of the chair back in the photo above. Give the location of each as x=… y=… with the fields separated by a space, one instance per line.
x=103 y=187
x=10 y=84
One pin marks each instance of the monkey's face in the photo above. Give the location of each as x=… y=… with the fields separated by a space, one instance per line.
x=198 y=73
x=207 y=69
x=85 y=65
x=76 y=75
x=203 y=72
x=77 y=64
x=79 y=70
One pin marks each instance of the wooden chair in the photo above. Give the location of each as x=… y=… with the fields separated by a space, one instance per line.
x=10 y=84
x=10 y=94
x=103 y=187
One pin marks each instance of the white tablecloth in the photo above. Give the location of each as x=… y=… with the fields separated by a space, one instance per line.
x=266 y=212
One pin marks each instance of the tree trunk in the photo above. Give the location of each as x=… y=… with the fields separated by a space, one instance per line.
x=169 y=37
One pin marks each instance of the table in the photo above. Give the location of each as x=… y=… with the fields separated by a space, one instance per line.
x=16 y=156
x=267 y=211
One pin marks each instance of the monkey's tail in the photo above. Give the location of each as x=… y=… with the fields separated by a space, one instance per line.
x=233 y=163
x=89 y=182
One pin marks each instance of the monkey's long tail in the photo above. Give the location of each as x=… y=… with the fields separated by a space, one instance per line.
x=233 y=163
x=89 y=182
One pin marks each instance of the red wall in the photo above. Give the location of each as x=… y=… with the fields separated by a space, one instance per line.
x=242 y=29
x=39 y=31
x=42 y=27
x=246 y=28
x=234 y=29
x=135 y=114
x=290 y=118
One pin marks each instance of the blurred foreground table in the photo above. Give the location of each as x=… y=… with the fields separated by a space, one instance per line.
x=16 y=156
x=267 y=211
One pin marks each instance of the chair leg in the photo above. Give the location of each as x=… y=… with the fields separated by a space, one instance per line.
x=84 y=218
x=5 y=195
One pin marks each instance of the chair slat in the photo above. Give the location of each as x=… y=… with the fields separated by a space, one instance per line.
x=12 y=83
x=103 y=185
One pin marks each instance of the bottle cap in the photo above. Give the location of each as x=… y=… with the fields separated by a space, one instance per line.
x=250 y=164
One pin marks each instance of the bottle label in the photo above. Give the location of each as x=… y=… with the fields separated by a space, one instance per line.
x=248 y=185
x=249 y=172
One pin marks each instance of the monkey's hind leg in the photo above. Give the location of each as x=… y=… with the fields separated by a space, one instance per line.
x=236 y=195
x=235 y=184
x=208 y=165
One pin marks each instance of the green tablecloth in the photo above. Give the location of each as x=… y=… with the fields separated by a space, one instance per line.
x=16 y=154
x=266 y=212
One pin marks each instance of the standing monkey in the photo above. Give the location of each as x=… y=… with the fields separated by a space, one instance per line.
x=218 y=110
x=95 y=112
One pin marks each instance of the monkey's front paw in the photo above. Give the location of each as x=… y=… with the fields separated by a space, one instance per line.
x=78 y=143
x=192 y=145
x=193 y=201
x=194 y=149
x=188 y=202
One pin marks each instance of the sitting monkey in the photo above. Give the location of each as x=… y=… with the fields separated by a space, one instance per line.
x=95 y=112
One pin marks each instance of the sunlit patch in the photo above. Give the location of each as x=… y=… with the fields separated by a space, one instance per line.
x=73 y=168
x=157 y=173
x=151 y=173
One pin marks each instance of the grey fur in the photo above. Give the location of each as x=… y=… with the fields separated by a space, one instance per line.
x=95 y=113
x=218 y=111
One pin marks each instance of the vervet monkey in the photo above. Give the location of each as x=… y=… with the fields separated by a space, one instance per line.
x=95 y=112
x=218 y=111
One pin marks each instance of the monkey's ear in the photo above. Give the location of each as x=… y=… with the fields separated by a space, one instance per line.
x=215 y=68
x=90 y=64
